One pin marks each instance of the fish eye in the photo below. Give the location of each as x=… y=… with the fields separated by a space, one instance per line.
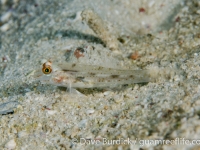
x=46 y=70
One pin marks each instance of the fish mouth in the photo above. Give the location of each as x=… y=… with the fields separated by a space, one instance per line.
x=37 y=74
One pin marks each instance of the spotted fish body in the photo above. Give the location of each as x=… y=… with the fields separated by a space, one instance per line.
x=89 y=76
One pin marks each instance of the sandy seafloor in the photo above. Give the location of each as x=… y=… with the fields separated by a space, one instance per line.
x=159 y=33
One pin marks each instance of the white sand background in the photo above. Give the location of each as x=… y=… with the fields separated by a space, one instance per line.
x=162 y=33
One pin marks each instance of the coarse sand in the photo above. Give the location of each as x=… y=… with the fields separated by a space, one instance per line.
x=147 y=34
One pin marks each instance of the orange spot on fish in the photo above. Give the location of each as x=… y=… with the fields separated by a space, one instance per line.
x=79 y=52
x=141 y=10
x=58 y=79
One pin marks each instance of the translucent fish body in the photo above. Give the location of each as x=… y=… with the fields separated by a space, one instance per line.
x=89 y=76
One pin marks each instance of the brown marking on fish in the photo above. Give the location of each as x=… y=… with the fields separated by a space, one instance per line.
x=115 y=76
x=92 y=74
x=73 y=65
x=80 y=78
x=100 y=68
x=58 y=79
x=70 y=70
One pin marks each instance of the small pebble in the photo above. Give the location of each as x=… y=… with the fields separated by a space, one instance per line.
x=90 y=111
x=11 y=144
x=51 y=112
x=5 y=17
x=198 y=11
x=5 y=27
x=22 y=134
x=8 y=107
x=106 y=93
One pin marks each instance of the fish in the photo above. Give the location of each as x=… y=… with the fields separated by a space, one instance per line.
x=76 y=75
